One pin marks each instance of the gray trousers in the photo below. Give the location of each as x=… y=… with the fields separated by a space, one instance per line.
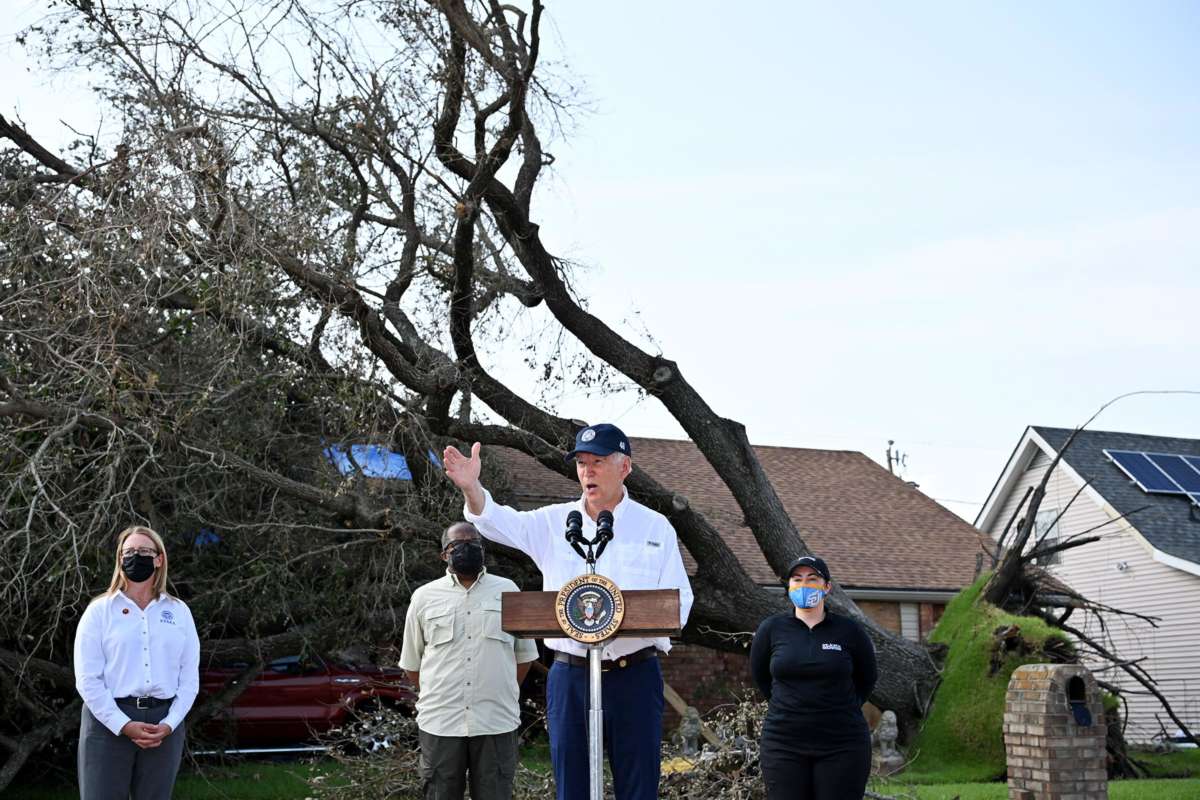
x=114 y=768
x=448 y=762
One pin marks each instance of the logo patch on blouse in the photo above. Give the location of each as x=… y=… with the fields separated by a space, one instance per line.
x=167 y=617
x=831 y=646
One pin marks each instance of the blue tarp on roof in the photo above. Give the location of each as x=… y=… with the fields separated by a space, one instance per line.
x=206 y=536
x=375 y=461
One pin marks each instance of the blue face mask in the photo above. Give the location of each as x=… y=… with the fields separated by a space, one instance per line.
x=806 y=596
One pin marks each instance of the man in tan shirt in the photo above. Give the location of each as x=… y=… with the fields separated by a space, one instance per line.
x=467 y=673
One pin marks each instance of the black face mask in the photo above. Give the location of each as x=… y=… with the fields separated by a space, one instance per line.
x=467 y=559
x=137 y=568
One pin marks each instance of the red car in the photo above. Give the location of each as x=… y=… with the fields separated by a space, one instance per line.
x=294 y=700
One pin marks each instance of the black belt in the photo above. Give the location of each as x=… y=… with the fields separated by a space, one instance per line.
x=608 y=664
x=145 y=702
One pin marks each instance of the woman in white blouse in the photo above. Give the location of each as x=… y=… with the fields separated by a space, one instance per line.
x=137 y=668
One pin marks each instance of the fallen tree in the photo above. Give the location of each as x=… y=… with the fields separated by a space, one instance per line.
x=1019 y=585
x=278 y=251
x=1018 y=614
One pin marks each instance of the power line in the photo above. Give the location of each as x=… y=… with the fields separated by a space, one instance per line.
x=963 y=502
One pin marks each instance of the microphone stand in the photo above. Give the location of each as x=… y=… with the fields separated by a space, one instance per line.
x=596 y=703
x=596 y=712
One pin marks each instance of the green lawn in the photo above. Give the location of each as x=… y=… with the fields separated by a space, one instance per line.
x=1178 y=764
x=1166 y=770
x=536 y=756
x=267 y=780
x=253 y=780
x=1188 y=789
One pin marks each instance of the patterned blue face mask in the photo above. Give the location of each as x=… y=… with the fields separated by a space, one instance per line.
x=806 y=596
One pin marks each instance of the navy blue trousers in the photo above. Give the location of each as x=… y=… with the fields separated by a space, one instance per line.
x=633 y=709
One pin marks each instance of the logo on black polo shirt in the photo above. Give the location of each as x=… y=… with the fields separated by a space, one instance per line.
x=831 y=646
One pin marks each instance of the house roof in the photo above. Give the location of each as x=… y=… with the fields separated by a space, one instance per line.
x=874 y=530
x=1168 y=524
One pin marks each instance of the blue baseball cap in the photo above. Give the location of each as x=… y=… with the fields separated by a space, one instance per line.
x=602 y=440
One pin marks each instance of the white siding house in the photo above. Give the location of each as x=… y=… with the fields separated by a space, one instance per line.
x=1147 y=561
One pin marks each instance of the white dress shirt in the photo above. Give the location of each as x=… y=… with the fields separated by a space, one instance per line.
x=124 y=651
x=644 y=554
x=468 y=665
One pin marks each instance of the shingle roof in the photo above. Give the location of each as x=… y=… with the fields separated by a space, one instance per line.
x=873 y=529
x=1168 y=524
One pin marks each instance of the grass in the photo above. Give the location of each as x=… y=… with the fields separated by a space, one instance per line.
x=271 y=780
x=254 y=780
x=963 y=741
x=1117 y=790
x=535 y=756
x=948 y=791
x=1155 y=789
x=248 y=780
x=1176 y=764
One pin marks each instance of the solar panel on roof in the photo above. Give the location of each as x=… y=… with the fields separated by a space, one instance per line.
x=1161 y=473
x=1179 y=471
x=1194 y=461
x=1143 y=472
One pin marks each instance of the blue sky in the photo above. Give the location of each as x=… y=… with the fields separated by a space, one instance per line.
x=933 y=222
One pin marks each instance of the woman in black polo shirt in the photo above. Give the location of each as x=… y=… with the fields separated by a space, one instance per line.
x=816 y=668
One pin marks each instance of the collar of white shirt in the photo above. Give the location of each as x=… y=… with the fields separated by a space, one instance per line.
x=618 y=511
x=454 y=579
x=162 y=597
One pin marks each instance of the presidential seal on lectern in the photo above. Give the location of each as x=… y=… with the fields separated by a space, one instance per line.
x=589 y=608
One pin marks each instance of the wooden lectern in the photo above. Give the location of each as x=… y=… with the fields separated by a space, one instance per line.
x=648 y=612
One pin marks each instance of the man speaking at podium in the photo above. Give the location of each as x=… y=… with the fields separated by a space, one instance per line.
x=643 y=555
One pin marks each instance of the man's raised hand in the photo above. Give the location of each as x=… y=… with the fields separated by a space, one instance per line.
x=462 y=471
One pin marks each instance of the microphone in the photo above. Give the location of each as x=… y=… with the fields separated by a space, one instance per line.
x=574 y=533
x=604 y=523
x=604 y=531
x=574 y=526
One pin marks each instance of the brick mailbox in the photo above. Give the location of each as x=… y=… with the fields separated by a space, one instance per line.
x=1054 y=734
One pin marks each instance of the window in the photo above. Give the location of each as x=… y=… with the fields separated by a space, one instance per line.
x=910 y=621
x=1046 y=524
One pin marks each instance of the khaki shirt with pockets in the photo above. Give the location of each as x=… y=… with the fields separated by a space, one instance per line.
x=468 y=665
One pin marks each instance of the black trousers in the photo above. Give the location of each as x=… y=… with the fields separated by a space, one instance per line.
x=840 y=775
x=488 y=763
